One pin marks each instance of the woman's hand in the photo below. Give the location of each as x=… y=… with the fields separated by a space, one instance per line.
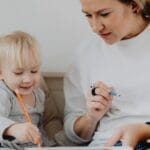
x=98 y=104
x=130 y=135
x=24 y=132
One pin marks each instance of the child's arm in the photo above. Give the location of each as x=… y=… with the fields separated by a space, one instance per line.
x=9 y=127
x=5 y=109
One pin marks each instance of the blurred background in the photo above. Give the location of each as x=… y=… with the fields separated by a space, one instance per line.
x=58 y=25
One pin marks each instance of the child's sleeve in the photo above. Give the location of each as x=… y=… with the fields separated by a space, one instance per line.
x=5 y=108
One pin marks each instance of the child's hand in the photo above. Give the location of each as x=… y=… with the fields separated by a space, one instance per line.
x=24 y=132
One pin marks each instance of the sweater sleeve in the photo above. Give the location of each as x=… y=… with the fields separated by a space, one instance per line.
x=75 y=103
x=5 y=107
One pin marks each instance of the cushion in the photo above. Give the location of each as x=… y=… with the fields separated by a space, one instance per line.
x=51 y=120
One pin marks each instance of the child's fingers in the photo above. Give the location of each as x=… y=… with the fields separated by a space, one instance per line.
x=35 y=135
x=37 y=141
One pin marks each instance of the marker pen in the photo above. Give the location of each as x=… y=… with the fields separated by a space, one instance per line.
x=112 y=93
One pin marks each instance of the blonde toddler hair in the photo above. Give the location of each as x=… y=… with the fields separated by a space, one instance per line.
x=18 y=47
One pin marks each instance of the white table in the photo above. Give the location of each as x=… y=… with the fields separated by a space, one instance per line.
x=81 y=148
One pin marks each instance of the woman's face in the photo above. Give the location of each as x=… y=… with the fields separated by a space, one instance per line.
x=110 y=19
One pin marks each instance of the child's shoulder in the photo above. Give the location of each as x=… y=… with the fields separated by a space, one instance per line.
x=40 y=93
x=4 y=90
x=6 y=95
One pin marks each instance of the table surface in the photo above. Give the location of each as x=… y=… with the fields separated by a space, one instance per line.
x=81 y=148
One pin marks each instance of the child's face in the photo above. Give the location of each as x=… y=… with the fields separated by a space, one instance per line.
x=25 y=79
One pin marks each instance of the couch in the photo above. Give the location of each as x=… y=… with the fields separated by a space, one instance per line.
x=52 y=84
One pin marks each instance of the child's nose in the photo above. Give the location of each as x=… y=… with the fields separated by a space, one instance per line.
x=27 y=78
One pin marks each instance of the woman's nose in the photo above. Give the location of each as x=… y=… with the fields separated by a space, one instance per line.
x=97 y=25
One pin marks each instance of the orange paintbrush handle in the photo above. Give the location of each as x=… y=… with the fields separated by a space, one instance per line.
x=26 y=114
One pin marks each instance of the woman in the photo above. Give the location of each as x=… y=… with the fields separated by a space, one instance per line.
x=115 y=61
x=131 y=135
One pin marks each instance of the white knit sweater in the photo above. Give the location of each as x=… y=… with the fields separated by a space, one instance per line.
x=125 y=66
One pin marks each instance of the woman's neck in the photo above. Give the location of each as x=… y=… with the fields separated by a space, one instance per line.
x=139 y=26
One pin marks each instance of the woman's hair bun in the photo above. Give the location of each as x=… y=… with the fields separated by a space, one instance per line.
x=146 y=10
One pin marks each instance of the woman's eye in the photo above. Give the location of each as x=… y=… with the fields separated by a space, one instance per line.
x=105 y=14
x=88 y=15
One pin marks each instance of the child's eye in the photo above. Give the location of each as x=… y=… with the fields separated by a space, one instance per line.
x=34 y=71
x=18 y=73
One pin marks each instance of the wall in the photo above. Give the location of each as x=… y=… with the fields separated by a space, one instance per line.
x=59 y=26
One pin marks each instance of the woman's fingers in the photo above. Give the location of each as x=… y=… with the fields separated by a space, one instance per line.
x=125 y=135
x=113 y=140
x=103 y=86
x=98 y=103
x=103 y=93
x=101 y=89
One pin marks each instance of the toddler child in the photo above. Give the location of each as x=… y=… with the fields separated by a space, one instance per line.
x=20 y=71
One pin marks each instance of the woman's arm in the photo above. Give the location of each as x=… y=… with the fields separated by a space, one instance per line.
x=85 y=127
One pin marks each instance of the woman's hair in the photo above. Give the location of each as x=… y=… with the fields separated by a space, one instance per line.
x=18 y=47
x=144 y=6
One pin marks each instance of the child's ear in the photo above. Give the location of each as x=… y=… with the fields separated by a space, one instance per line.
x=135 y=7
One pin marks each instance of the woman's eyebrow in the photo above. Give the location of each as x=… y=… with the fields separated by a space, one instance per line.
x=98 y=11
